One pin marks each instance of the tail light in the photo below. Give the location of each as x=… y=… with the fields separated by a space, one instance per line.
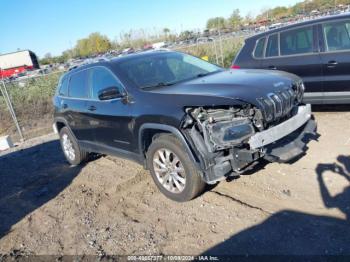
x=235 y=67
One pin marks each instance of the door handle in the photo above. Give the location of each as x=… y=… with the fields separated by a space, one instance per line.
x=272 y=67
x=65 y=106
x=92 y=108
x=332 y=64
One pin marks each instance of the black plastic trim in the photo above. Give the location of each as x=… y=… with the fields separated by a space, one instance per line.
x=108 y=150
x=167 y=128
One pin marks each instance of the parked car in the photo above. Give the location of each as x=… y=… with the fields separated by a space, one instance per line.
x=201 y=40
x=317 y=50
x=189 y=122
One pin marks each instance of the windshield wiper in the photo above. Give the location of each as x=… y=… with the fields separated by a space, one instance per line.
x=208 y=73
x=203 y=74
x=160 y=84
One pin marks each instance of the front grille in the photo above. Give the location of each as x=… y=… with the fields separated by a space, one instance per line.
x=278 y=105
x=299 y=89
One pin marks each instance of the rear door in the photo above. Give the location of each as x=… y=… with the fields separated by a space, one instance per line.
x=296 y=51
x=110 y=119
x=74 y=106
x=335 y=55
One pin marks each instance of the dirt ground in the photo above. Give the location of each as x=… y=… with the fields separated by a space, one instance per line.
x=111 y=206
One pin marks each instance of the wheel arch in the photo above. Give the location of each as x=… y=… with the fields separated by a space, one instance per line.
x=59 y=123
x=149 y=130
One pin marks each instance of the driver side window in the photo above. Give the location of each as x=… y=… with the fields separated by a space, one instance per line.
x=101 y=78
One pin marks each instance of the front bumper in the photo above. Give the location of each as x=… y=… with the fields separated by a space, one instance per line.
x=282 y=143
x=275 y=133
x=287 y=141
x=292 y=146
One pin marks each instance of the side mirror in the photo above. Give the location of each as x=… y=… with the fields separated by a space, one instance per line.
x=109 y=93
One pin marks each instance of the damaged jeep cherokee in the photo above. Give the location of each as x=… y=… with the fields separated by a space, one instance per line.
x=189 y=122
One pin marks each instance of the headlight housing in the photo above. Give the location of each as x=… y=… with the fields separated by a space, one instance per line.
x=224 y=127
x=230 y=133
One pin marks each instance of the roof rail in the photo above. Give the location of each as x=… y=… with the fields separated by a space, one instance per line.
x=73 y=67
x=89 y=61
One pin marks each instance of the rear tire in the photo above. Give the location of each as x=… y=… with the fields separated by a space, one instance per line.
x=71 y=150
x=172 y=170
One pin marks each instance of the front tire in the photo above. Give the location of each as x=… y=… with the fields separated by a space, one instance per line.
x=172 y=170
x=70 y=148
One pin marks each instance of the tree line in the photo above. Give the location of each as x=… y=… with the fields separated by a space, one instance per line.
x=96 y=43
x=235 y=21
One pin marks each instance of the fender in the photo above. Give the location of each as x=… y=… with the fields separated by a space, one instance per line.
x=64 y=121
x=170 y=129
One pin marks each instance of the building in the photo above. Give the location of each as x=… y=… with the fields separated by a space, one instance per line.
x=17 y=62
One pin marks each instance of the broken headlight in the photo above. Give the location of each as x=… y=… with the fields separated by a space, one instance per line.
x=230 y=133
x=224 y=128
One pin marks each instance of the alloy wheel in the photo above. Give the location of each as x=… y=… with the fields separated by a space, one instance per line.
x=169 y=170
x=68 y=147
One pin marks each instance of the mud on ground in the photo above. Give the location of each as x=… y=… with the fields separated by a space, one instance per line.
x=111 y=206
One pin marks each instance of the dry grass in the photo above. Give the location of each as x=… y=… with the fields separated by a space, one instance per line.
x=229 y=47
x=32 y=102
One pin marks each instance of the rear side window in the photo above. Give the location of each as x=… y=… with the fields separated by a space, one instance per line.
x=78 y=87
x=272 y=46
x=102 y=78
x=259 y=48
x=337 y=35
x=63 y=89
x=298 y=41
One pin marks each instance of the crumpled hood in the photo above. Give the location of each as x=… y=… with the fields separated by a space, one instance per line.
x=245 y=85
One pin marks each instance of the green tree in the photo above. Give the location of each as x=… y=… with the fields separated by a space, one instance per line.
x=235 y=20
x=166 y=31
x=185 y=35
x=94 y=44
x=216 y=23
x=47 y=59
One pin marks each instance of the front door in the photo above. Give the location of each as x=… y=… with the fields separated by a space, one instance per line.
x=110 y=119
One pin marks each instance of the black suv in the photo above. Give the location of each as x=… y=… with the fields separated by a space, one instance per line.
x=317 y=50
x=189 y=122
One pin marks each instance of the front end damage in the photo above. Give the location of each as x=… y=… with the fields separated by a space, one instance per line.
x=228 y=140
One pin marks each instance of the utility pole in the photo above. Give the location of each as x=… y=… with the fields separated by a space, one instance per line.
x=220 y=43
x=216 y=52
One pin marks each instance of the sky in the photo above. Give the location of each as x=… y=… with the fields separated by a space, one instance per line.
x=55 y=25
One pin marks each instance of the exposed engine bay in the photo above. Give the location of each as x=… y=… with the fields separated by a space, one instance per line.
x=221 y=138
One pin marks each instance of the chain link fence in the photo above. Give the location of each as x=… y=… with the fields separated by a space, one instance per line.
x=32 y=108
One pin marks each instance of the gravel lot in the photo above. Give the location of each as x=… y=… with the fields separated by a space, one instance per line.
x=111 y=206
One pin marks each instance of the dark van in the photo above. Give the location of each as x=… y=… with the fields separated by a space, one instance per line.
x=318 y=51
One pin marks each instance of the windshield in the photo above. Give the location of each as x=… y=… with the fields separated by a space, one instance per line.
x=164 y=69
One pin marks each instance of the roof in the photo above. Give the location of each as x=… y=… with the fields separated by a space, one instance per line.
x=26 y=50
x=146 y=53
x=303 y=23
